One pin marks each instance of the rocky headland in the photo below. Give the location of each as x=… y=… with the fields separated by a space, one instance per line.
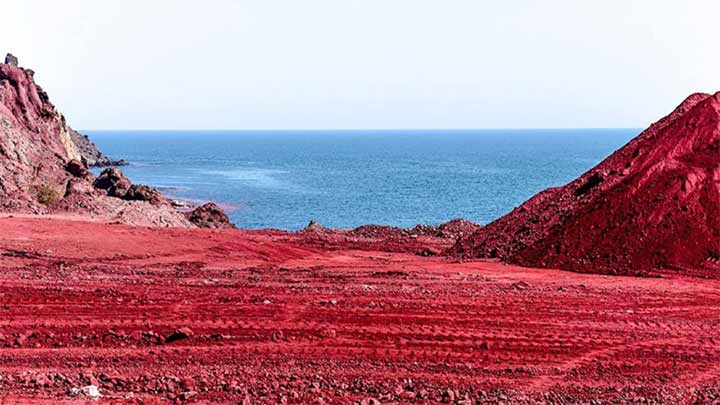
x=43 y=166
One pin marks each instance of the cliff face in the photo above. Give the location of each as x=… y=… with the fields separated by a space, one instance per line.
x=654 y=203
x=41 y=169
x=35 y=143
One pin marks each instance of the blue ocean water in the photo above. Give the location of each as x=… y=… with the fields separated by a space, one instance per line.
x=282 y=179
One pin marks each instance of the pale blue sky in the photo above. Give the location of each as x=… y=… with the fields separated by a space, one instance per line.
x=270 y=64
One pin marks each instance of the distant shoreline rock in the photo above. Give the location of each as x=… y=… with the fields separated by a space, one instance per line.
x=90 y=153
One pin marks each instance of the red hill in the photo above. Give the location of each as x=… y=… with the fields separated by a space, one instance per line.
x=653 y=204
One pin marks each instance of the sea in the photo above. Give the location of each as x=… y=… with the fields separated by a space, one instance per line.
x=347 y=178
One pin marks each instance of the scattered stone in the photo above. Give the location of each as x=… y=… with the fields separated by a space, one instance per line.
x=328 y=333
x=448 y=397
x=187 y=395
x=428 y=252
x=180 y=334
x=520 y=286
x=90 y=391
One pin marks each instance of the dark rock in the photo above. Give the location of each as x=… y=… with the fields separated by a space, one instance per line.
x=448 y=397
x=10 y=59
x=114 y=182
x=76 y=168
x=591 y=182
x=428 y=252
x=209 y=215
x=180 y=334
x=139 y=192
x=313 y=226
x=520 y=286
x=117 y=185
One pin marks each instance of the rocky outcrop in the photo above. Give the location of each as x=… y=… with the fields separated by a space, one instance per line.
x=654 y=203
x=209 y=215
x=10 y=59
x=89 y=152
x=114 y=182
x=424 y=240
x=43 y=171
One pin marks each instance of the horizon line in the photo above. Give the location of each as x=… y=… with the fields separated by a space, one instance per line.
x=357 y=129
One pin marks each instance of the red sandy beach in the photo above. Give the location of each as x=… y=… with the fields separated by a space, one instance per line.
x=262 y=317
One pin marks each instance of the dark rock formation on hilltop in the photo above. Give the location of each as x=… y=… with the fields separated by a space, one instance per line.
x=654 y=203
x=42 y=169
x=10 y=59
x=90 y=153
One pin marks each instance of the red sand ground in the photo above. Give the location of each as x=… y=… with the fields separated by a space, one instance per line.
x=272 y=320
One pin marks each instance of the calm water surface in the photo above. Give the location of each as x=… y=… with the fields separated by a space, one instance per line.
x=282 y=179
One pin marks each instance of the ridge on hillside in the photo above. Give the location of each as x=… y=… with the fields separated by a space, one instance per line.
x=653 y=204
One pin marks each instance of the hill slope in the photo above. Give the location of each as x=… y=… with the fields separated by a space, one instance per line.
x=654 y=203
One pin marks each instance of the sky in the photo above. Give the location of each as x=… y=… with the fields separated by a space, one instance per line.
x=365 y=64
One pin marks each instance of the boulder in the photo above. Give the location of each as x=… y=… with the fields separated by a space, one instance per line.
x=114 y=182
x=76 y=168
x=209 y=215
x=180 y=334
x=139 y=192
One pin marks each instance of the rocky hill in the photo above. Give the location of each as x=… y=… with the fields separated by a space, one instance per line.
x=42 y=169
x=653 y=204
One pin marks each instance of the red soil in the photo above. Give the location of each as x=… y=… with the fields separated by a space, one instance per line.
x=655 y=203
x=266 y=317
